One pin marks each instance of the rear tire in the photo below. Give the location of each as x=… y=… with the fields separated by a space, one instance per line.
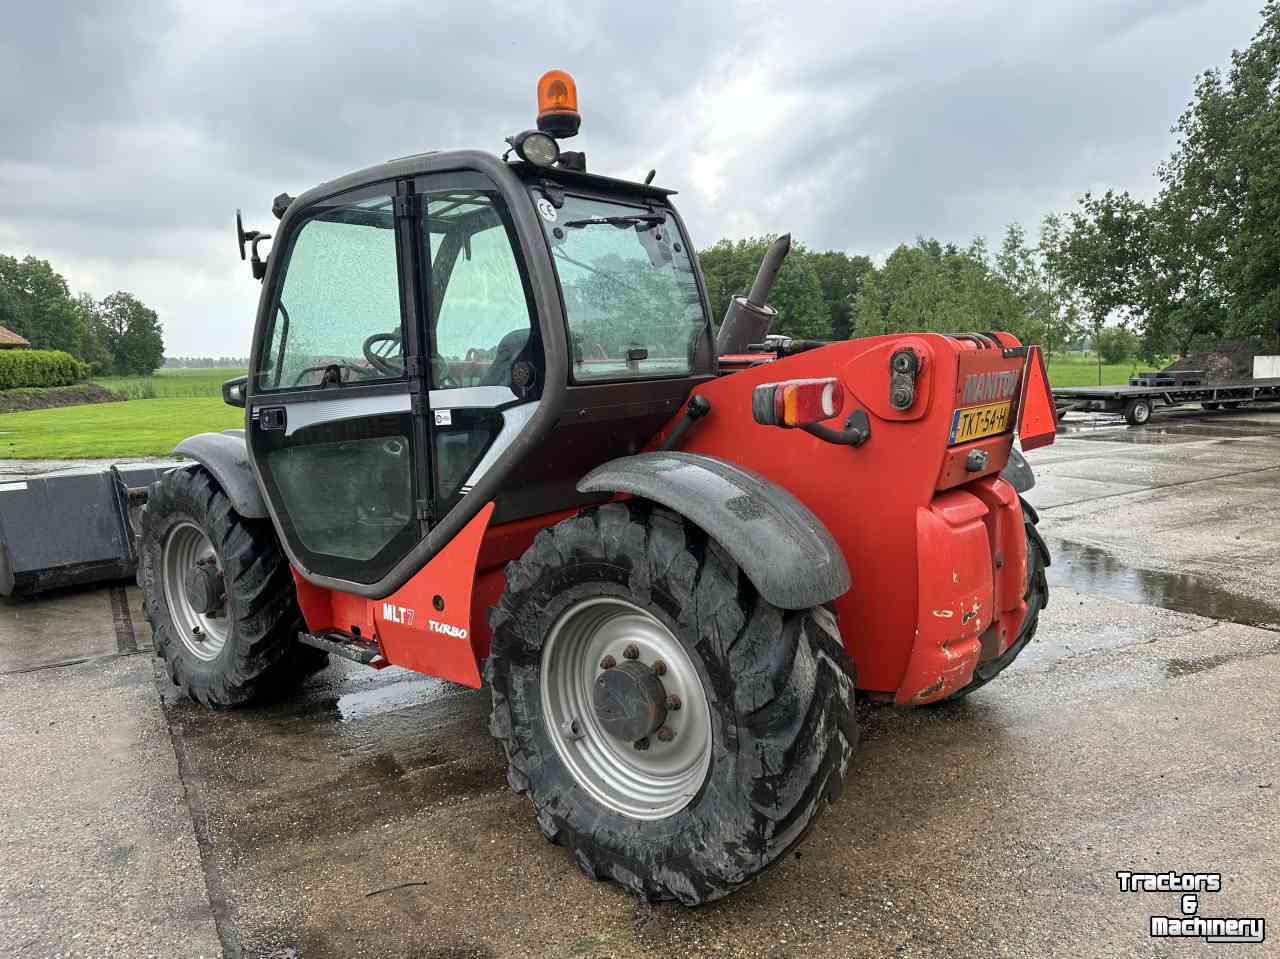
x=1036 y=597
x=246 y=648
x=1233 y=405
x=774 y=685
x=1211 y=407
x=1137 y=412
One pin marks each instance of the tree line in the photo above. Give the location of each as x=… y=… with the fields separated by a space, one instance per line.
x=206 y=362
x=117 y=334
x=926 y=285
x=1199 y=261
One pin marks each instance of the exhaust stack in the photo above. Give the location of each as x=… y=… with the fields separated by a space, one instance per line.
x=748 y=318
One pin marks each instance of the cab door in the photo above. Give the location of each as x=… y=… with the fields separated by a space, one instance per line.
x=486 y=358
x=344 y=463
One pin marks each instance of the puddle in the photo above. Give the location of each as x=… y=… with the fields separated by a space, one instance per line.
x=403 y=694
x=1092 y=570
x=1164 y=433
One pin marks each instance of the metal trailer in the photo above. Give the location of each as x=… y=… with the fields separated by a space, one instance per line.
x=1136 y=402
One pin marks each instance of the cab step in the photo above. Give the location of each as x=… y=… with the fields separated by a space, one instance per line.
x=355 y=648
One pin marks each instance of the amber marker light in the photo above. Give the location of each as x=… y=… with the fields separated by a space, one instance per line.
x=558 y=104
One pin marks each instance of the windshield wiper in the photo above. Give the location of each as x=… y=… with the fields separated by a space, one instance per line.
x=649 y=220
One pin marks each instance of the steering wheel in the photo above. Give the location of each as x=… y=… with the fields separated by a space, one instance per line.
x=381 y=350
x=338 y=365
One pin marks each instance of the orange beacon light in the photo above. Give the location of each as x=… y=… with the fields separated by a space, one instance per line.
x=558 y=104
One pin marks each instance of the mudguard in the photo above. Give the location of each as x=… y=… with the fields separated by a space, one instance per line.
x=1018 y=471
x=227 y=458
x=787 y=553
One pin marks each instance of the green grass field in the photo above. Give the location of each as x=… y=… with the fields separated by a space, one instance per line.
x=1076 y=370
x=170 y=384
x=164 y=409
x=110 y=430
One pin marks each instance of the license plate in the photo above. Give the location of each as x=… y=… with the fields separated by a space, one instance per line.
x=975 y=422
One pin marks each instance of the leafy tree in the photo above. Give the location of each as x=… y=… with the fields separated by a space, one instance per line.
x=1019 y=267
x=729 y=267
x=1115 y=344
x=132 y=333
x=1063 y=317
x=1222 y=184
x=92 y=344
x=1202 y=259
x=929 y=286
x=840 y=276
x=37 y=304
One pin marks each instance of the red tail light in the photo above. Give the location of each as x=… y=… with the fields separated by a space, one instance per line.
x=1037 y=419
x=796 y=402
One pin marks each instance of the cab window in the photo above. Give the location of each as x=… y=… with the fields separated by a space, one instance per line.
x=630 y=291
x=337 y=318
x=481 y=322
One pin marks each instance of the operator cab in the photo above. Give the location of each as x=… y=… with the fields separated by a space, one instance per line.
x=443 y=319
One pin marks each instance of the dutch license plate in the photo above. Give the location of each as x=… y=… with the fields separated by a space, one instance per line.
x=975 y=422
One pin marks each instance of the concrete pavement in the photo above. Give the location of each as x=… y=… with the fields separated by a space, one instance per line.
x=370 y=817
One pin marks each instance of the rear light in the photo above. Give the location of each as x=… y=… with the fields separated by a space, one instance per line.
x=796 y=402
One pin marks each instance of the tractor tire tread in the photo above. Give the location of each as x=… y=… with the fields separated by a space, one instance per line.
x=783 y=676
x=262 y=658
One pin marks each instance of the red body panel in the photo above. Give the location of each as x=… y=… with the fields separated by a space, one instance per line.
x=921 y=546
x=936 y=548
x=426 y=625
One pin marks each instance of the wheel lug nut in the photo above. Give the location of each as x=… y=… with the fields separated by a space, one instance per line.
x=642 y=744
x=660 y=667
x=631 y=652
x=666 y=734
x=608 y=662
x=673 y=702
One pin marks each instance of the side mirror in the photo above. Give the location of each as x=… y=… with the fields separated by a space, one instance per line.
x=233 y=391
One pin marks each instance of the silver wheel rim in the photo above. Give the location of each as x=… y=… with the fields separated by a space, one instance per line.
x=184 y=547
x=650 y=783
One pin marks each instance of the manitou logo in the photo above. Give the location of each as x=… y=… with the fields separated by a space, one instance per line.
x=989 y=386
x=397 y=614
x=457 y=632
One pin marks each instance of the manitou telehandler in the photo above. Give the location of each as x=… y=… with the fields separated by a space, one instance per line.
x=492 y=435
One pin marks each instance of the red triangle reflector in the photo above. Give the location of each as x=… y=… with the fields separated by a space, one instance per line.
x=1037 y=419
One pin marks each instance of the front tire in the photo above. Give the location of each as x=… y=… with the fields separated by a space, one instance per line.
x=756 y=748
x=218 y=595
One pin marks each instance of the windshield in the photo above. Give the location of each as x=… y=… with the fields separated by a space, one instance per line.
x=630 y=293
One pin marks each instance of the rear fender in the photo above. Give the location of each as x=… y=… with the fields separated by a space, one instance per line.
x=1018 y=471
x=787 y=553
x=226 y=456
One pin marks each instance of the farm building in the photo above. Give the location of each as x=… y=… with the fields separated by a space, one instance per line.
x=10 y=340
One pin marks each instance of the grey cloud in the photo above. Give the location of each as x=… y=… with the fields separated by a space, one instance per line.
x=131 y=131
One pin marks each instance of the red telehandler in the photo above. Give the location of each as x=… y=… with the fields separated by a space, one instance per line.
x=491 y=434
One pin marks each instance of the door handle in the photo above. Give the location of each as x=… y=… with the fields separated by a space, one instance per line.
x=270 y=418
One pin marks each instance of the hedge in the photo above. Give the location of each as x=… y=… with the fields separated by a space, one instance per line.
x=40 y=368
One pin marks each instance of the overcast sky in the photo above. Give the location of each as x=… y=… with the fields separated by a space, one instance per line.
x=130 y=131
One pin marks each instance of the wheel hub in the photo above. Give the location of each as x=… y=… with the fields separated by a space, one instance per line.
x=630 y=701
x=625 y=708
x=205 y=588
x=194 y=590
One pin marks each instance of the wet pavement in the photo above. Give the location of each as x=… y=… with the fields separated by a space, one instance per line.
x=369 y=816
